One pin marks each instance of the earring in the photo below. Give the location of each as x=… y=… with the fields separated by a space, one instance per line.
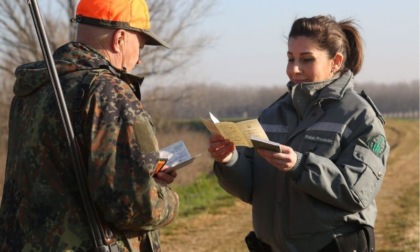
x=332 y=70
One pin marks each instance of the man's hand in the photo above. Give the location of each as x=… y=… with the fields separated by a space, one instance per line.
x=165 y=178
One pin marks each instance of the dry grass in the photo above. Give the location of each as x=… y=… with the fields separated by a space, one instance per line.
x=397 y=225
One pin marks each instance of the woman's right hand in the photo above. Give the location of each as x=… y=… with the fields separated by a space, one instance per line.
x=220 y=149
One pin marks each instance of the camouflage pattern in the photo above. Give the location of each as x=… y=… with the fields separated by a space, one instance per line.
x=41 y=208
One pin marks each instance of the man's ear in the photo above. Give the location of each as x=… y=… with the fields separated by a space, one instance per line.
x=118 y=40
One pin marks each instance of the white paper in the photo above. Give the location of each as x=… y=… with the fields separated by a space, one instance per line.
x=213 y=118
x=176 y=153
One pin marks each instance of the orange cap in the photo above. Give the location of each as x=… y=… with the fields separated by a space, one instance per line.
x=120 y=14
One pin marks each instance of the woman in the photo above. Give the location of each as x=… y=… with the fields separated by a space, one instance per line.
x=319 y=193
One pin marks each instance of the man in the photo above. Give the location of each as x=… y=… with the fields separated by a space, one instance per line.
x=41 y=208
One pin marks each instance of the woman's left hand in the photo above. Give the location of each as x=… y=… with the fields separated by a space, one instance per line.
x=283 y=161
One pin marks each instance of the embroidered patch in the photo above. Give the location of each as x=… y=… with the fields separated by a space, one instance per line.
x=319 y=139
x=377 y=144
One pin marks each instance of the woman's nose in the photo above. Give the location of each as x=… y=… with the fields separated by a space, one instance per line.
x=296 y=68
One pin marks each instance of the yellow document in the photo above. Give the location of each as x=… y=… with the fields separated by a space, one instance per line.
x=239 y=132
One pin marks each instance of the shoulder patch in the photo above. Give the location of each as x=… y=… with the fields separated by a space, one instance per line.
x=377 y=144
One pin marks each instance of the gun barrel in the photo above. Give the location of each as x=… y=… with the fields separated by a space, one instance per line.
x=92 y=216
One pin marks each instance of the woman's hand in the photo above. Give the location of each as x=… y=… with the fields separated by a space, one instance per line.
x=220 y=149
x=283 y=161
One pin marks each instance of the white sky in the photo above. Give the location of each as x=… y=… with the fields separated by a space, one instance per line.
x=251 y=45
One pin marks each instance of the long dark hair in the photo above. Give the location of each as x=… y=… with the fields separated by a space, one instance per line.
x=333 y=37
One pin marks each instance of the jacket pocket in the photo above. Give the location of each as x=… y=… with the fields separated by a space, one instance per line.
x=144 y=131
x=308 y=216
x=370 y=180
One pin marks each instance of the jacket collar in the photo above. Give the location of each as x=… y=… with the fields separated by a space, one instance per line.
x=69 y=58
x=338 y=87
x=335 y=90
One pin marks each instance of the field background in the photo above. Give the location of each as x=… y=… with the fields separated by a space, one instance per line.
x=222 y=227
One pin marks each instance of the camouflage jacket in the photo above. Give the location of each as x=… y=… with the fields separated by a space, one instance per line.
x=41 y=207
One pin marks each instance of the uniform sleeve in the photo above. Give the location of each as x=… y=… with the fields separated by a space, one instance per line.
x=122 y=154
x=351 y=181
x=236 y=176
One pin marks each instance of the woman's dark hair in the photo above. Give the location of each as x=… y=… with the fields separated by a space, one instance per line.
x=333 y=37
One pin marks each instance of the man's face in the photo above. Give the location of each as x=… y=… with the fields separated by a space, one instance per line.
x=131 y=54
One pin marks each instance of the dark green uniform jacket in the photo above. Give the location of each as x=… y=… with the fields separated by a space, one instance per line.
x=41 y=208
x=342 y=150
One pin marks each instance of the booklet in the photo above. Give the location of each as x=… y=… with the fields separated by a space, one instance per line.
x=175 y=156
x=238 y=132
x=259 y=143
x=159 y=165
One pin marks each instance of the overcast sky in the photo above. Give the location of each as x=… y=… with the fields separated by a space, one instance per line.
x=251 y=45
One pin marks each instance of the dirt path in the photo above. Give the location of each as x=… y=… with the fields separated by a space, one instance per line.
x=401 y=180
x=225 y=230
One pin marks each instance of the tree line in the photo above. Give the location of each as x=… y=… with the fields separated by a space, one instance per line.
x=195 y=101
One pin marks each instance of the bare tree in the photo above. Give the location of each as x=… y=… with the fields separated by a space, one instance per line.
x=174 y=21
x=19 y=37
x=177 y=22
x=19 y=44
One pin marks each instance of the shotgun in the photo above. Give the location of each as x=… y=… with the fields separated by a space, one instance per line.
x=101 y=242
